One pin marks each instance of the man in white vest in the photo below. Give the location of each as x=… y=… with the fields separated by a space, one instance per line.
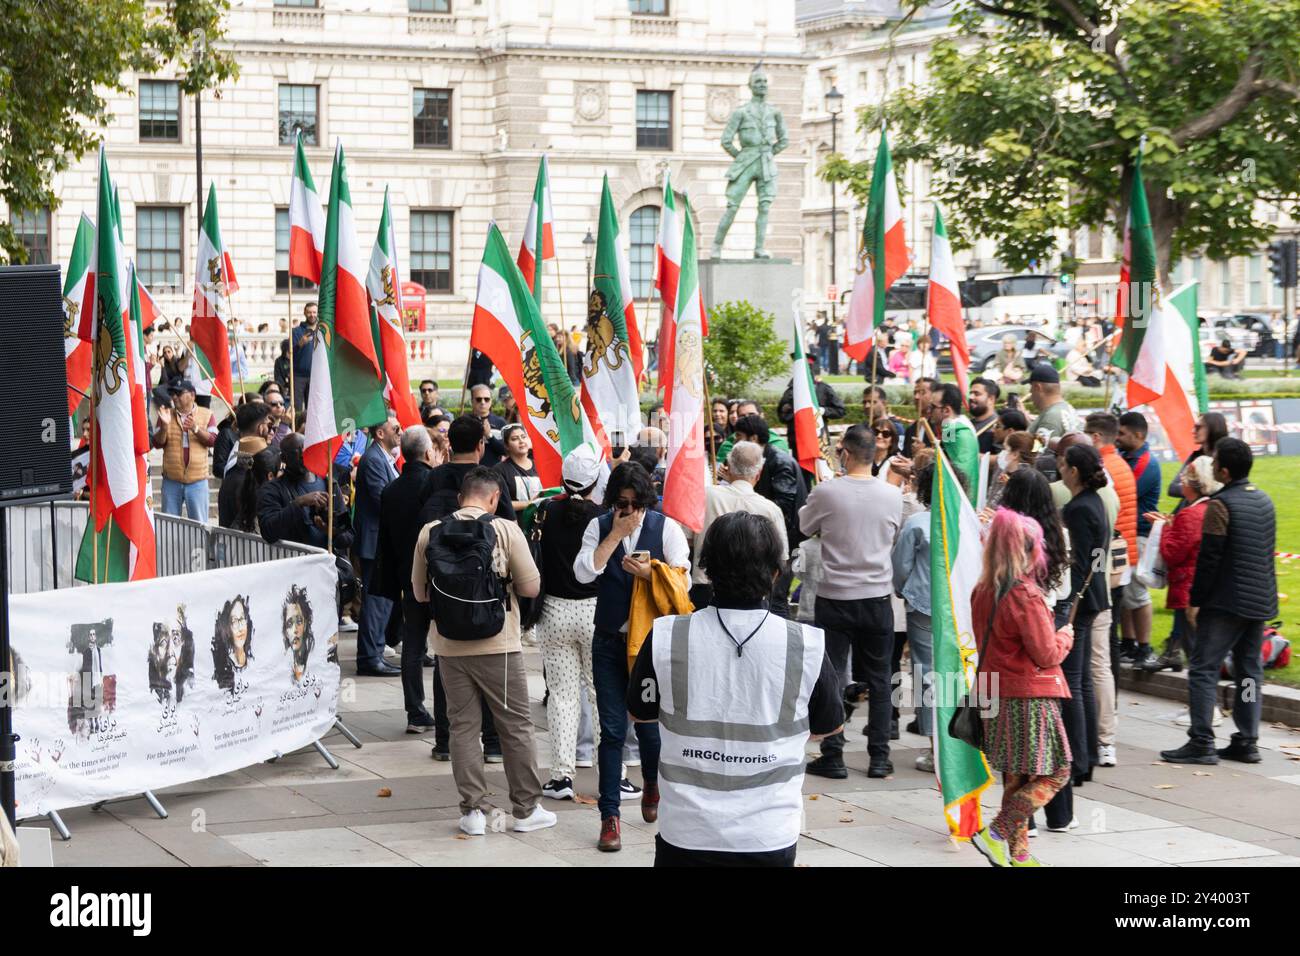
x=738 y=692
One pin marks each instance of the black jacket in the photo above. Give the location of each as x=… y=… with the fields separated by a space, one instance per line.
x=399 y=505
x=781 y=483
x=1084 y=517
x=827 y=398
x=443 y=494
x=1236 y=571
x=279 y=519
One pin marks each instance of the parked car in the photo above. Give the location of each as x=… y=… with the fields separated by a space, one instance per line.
x=1215 y=329
x=986 y=341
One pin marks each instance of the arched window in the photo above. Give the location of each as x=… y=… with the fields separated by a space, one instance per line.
x=644 y=230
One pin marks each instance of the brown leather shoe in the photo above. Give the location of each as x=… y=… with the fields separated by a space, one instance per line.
x=650 y=802
x=610 y=841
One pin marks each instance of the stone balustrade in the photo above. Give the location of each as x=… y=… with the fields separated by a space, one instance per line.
x=432 y=354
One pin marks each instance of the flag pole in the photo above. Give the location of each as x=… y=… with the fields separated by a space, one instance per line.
x=659 y=326
x=465 y=379
x=96 y=370
x=293 y=407
x=708 y=410
x=171 y=327
x=329 y=506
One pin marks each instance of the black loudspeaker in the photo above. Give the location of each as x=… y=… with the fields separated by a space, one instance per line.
x=35 y=464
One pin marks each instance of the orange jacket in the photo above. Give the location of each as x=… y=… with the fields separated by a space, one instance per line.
x=667 y=592
x=1121 y=476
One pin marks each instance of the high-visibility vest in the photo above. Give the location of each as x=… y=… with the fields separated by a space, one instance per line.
x=733 y=728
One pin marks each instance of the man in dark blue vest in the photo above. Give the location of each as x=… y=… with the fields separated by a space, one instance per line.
x=617 y=548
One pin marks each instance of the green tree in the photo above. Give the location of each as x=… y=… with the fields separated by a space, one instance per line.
x=742 y=348
x=1033 y=114
x=60 y=59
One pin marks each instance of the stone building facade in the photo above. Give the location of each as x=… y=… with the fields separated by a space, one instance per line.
x=450 y=104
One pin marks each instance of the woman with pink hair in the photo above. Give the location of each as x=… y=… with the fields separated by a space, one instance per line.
x=1022 y=683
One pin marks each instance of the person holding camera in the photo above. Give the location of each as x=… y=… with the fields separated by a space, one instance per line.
x=185 y=432
x=293 y=506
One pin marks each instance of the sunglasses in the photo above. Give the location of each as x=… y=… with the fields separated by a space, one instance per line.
x=485 y=398
x=428 y=391
x=625 y=504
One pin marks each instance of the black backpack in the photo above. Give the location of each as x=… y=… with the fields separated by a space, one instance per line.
x=467 y=597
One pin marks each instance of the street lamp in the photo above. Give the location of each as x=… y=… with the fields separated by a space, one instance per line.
x=589 y=250
x=834 y=104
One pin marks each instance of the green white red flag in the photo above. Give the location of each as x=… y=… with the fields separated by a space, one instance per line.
x=807 y=422
x=79 y=313
x=611 y=374
x=943 y=305
x=306 y=221
x=668 y=267
x=346 y=381
x=687 y=469
x=955 y=559
x=384 y=283
x=1159 y=345
x=882 y=258
x=214 y=281
x=508 y=329
x=119 y=470
x=539 y=233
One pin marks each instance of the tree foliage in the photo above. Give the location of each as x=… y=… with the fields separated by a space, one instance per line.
x=60 y=59
x=1033 y=113
x=742 y=348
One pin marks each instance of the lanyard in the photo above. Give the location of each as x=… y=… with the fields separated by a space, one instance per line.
x=740 y=645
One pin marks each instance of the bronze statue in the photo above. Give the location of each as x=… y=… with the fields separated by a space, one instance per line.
x=762 y=135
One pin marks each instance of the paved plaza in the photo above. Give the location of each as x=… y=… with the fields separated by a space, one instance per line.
x=389 y=804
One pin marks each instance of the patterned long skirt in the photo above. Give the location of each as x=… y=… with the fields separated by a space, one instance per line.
x=1026 y=736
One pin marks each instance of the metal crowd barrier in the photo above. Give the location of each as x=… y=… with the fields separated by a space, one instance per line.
x=43 y=541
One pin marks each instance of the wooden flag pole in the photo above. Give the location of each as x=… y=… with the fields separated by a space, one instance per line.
x=96 y=369
x=329 y=506
x=708 y=411
x=645 y=355
x=464 y=382
x=293 y=407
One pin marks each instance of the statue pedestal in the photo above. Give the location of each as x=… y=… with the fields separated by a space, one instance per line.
x=767 y=284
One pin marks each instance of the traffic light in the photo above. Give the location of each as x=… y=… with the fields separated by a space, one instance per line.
x=1282 y=262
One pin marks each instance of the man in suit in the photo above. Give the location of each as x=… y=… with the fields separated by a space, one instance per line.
x=399 y=503
x=374 y=473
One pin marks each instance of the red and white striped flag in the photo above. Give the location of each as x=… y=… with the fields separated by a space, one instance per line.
x=943 y=306
x=539 y=233
x=668 y=267
x=687 y=469
x=384 y=283
x=306 y=221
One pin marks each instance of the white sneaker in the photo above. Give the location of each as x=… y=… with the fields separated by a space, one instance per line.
x=539 y=819
x=1072 y=825
x=925 y=762
x=473 y=823
x=1106 y=756
x=584 y=764
x=347 y=624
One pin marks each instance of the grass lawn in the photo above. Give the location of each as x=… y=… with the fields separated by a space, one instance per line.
x=1274 y=475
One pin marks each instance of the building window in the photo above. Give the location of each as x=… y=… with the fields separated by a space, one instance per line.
x=655 y=7
x=282 y=257
x=644 y=231
x=158 y=247
x=433 y=119
x=299 y=110
x=296 y=3
x=33 y=229
x=1256 y=296
x=1225 y=283
x=654 y=120
x=429 y=6
x=160 y=111
x=431 y=250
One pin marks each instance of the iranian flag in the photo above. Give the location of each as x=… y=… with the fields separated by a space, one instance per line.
x=78 y=313
x=384 y=283
x=306 y=221
x=120 y=515
x=1159 y=345
x=508 y=329
x=668 y=267
x=214 y=280
x=346 y=382
x=943 y=305
x=882 y=257
x=610 y=392
x=539 y=233
x=807 y=412
x=955 y=557
x=684 y=479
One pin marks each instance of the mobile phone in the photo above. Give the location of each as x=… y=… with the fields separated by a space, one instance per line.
x=616 y=451
x=643 y=556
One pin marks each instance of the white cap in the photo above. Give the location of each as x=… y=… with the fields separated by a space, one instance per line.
x=582 y=467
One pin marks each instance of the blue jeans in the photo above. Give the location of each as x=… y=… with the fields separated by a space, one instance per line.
x=194 y=496
x=609 y=673
x=920 y=638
